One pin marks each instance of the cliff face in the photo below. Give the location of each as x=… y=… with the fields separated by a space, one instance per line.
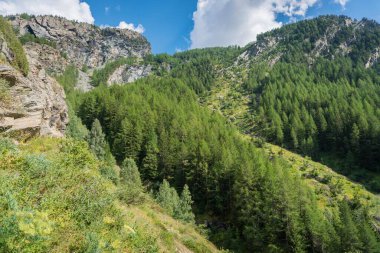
x=36 y=102
x=84 y=44
x=128 y=74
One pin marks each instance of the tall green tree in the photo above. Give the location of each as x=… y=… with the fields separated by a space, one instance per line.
x=185 y=206
x=130 y=189
x=97 y=140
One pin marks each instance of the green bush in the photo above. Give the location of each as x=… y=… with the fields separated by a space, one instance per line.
x=19 y=61
x=6 y=145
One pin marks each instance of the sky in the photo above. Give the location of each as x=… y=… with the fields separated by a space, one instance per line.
x=177 y=25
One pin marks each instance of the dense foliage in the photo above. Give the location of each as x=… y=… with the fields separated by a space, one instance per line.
x=180 y=207
x=255 y=201
x=304 y=38
x=70 y=196
x=19 y=60
x=329 y=109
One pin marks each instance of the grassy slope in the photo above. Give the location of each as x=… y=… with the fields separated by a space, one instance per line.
x=49 y=186
x=327 y=183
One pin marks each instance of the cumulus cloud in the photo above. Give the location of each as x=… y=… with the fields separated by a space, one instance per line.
x=238 y=22
x=124 y=25
x=342 y=2
x=71 y=9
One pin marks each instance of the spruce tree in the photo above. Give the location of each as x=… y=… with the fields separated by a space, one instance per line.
x=131 y=188
x=168 y=198
x=129 y=173
x=150 y=161
x=185 y=209
x=350 y=241
x=97 y=140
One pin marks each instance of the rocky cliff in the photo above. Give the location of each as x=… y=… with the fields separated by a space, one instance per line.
x=36 y=102
x=129 y=74
x=84 y=44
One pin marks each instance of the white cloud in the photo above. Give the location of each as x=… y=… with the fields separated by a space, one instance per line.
x=238 y=22
x=71 y=9
x=124 y=25
x=106 y=9
x=342 y=2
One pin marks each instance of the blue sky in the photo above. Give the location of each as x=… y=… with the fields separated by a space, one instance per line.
x=173 y=25
x=168 y=23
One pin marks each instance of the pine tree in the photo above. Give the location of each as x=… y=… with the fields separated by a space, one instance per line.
x=127 y=143
x=97 y=140
x=129 y=173
x=355 y=138
x=131 y=188
x=150 y=161
x=348 y=233
x=168 y=198
x=185 y=209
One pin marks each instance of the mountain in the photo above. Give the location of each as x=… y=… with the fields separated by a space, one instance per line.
x=83 y=44
x=328 y=37
x=311 y=87
x=238 y=132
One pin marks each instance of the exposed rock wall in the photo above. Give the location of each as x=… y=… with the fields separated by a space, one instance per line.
x=49 y=58
x=37 y=105
x=82 y=43
x=129 y=74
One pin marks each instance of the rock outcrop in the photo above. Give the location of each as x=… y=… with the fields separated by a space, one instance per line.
x=84 y=44
x=37 y=102
x=48 y=57
x=129 y=74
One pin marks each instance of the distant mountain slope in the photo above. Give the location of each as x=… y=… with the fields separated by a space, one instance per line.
x=326 y=36
x=312 y=87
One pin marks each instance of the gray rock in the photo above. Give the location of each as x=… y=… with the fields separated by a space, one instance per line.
x=129 y=74
x=84 y=82
x=38 y=104
x=373 y=58
x=48 y=57
x=82 y=43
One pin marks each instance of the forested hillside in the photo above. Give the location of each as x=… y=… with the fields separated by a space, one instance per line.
x=312 y=87
x=249 y=199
